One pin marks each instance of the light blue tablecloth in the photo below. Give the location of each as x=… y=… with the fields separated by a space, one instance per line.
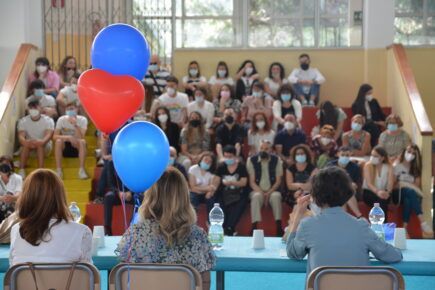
x=238 y=255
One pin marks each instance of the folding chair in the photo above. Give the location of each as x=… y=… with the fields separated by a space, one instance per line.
x=59 y=276
x=154 y=277
x=355 y=278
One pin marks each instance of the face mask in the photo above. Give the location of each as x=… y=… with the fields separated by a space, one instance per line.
x=162 y=118
x=369 y=98
x=356 y=126
x=264 y=155
x=193 y=72
x=170 y=91
x=229 y=161
x=276 y=75
x=286 y=97
x=33 y=113
x=153 y=67
x=195 y=123
x=38 y=92
x=343 y=160
x=305 y=66
x=325 y=140
x=392 y=127
x=199 y=99
x=409 y=156
x=222 y=73
x=171 y=161
x=301 y=158
x=71 y=113
x=257 y=94
x=74 y=87
x=204 y=166
x=248 y=71
x=374 y=160
x=260 y=124
x=289 y=126
x=229 y=119
x=225 y=94
x=41 y=68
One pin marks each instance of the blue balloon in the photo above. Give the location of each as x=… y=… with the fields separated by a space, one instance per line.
x=140 y=155
x=121 y=49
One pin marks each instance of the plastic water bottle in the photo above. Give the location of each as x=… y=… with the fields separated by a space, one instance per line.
x=377 y=217
x=75 y=211
x=216 y=231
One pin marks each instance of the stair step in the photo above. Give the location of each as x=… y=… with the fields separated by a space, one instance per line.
x=66 y=162
x=68 y=173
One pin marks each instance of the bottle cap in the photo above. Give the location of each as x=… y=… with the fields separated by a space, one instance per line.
x=216 y=204
x=376 y=204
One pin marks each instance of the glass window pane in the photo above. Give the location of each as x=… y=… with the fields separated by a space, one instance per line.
x=205 y=33
x=430 y=30
x=409 y=6
x=209 y=7
x=334 y=7
x=150 y=8
x=409 y=30
x=334 y=32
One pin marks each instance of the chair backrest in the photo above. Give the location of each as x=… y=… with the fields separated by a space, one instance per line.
x=154 y=277
x=355 y=278
x=52 y=276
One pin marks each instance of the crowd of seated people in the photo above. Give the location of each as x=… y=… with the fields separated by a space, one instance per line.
x=238 y=124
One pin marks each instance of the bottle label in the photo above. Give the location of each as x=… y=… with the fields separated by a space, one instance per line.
x=216 y=238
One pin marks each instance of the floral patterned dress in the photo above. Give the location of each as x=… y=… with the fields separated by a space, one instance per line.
x=142 y=243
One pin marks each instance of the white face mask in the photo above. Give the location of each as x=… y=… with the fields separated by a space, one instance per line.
x=222 y=73
x=374 y=160
x=289 y=125
x=163 y=118
x=41 y=68
x=369 y=98
x=153 y=67
x=193 y=72
x=74 y=87
x=248 y=71
x=409 y=156
x=170 y=91
x=260 y=124
x=33 y=113
x=199 y=99
x=325 y=140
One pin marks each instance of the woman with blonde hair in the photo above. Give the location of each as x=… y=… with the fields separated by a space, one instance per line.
x=46 y=231
x=167 y=230
x=357 y=139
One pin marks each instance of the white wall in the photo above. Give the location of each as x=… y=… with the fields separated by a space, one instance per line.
x=20 y=22
x=378 y=23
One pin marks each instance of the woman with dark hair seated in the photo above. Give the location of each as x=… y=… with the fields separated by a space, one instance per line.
x=333 y=237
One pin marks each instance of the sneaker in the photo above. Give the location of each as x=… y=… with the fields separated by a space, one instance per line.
x=83 y=174
x=304 y=102
x=97 y=153
x=98 y=200
x=22 y=172
x=426 y=229
x=59 y=172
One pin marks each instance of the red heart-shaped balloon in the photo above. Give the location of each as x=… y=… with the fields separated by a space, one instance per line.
x=109 y=100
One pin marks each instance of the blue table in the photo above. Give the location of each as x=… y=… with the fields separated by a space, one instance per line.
x=237 y=255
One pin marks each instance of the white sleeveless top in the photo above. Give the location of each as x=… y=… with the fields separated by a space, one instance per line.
x=381 y=180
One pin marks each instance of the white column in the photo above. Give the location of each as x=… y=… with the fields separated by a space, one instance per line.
x=378 y=23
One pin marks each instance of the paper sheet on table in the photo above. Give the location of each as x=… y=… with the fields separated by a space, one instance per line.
x=282 y=253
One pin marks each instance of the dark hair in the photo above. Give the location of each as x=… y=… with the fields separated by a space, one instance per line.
x=358 y=106
x=230 y=88
x=213 y=160
x=344 y=149
x=62 y=69
x=156 y=114
x=254 y=70
x=202 y=90
x=304 y=55
x=306 y=150
x=33 y=103
x=381 y=151
x=285 y=88
x=41 y=60
x=416 y=165
x=36 y=84
x=258 y=85
x=197 y=64
x=229 y=149
x=222 y=63
x=282 y=72
x=172 y=79
x=331 y=187
x=328 y=114
x=8 y=159
x=5 y=168
x=266 y=127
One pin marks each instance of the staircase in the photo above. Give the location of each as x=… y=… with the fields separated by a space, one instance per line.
x=76 y=189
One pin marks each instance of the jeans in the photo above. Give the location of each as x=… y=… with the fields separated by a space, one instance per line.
x=313 y=91
x=107 y=180
x=196 y=199
x=110 y=200
x=411 y=202
x=370 y=198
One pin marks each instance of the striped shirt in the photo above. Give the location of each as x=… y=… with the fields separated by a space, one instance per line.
x=160 y=81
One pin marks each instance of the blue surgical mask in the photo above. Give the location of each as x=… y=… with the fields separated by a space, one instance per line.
x=286 y=97
x=302 y=158
x=356 y=126
x=229 y=161
x=257 y=94
x=193 y=72
x=343 y=160
x=71 y=113
x=392 y=127
x=171 y=161
x=39 y=92
x=204 y=166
